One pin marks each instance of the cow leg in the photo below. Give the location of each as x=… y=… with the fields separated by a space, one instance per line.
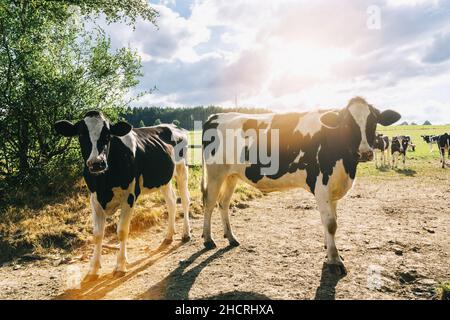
x=443 y=157
x=98 y=218
x=209 y=202
x=404 y=160
x=182 y=182
x=394 y=160
x=170 y=198
x=376 y=158
x=328 y=216
x=224 y=206
x=123 y=230
x=387 y=158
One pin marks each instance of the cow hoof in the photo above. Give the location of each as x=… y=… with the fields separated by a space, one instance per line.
x=118 y=274
x=90 y=278
x=209 y=244
x=234 y=243
x=337 y=269
x=186 y=238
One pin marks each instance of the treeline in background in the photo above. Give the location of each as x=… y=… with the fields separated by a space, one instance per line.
x=182 y=117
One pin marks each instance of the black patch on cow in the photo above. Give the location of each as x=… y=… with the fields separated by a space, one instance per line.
x=130 y=200
x=443 y=142
x=210 y=124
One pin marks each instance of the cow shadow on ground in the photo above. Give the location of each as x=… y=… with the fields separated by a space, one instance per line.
x=177 y=285
x=383 y=168
x=99 y=288
x=328 y=283
x=407 y=172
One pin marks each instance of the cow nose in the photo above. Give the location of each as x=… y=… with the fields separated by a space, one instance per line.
x=96 y=166
x=366 y=156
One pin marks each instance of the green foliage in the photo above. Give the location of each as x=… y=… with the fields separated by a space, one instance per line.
x=157 y=122
x=53 y=69
x=184 y=116
x=141 y=124
x=176 y=122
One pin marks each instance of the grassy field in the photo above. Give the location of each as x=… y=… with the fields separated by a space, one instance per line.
x=421 y=162
x=47 y=225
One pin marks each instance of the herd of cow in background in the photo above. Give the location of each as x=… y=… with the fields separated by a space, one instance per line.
x=398 y=146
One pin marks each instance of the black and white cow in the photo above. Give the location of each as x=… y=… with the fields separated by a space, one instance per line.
x=443 y=143
x=381 y=145
x=430 y=140
x=121 y=163
x=399 y=147
x=318 y=151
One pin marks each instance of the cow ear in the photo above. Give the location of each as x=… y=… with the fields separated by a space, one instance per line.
x=330 y=120
x=66 y=128
x=120 y=129
x=388 y=117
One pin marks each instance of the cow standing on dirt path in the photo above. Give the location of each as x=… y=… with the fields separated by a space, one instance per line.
x=121 y=163
x=318 y=151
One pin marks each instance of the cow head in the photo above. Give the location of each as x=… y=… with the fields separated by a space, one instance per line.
x=94 y=134
x=427 y=139
x=357 y=124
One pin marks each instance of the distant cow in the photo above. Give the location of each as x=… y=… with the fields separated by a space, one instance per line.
x=411 y=145
x=399 y=147
x=444 y=145
x=318 y=151
x=381 y=145
x=120 y=163
x=430 y=140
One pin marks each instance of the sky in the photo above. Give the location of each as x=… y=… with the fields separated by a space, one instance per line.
x=295 y=55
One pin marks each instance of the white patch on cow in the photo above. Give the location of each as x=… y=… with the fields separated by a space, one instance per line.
x=130 y=141
x=360 y=112
x=94 y=126
x=309 y=124
x=300 y=154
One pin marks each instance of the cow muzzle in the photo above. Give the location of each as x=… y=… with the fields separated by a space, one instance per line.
x=97 y=167
x=365 y=156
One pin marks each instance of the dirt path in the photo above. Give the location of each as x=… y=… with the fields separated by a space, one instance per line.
x=394 y=239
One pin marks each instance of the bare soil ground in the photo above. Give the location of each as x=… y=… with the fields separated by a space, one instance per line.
x=393 y=235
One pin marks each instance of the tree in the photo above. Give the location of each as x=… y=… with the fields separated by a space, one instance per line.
x=176 y=122
x=141 y=124
x=157 y=122
x=53 y=69
x=427 y=123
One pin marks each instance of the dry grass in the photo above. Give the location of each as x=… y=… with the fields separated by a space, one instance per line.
x=45 y=226
x=444 y=291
